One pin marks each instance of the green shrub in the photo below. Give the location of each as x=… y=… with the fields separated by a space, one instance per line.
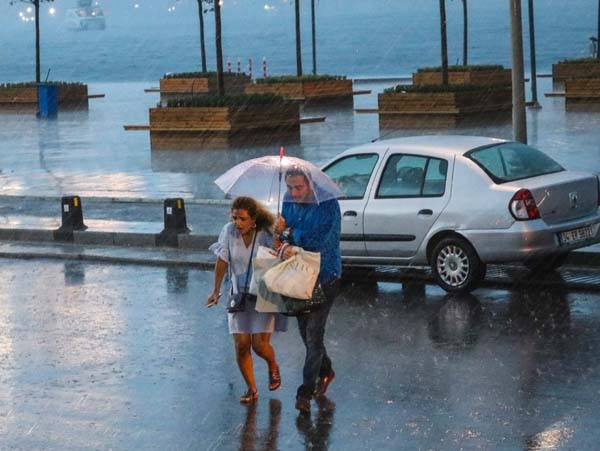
x=198 y=74
x=463 y=68
x=296 y=79
x=29 y=84
x=444 y=88
x=578 y=60
x=215 y=100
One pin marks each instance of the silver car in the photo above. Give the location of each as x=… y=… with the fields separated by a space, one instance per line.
x=457 y=203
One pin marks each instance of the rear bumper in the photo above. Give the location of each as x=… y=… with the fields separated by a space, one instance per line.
x=526 y=239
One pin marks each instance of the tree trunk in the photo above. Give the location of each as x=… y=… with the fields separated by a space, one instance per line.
x=598 y=34
x=534 y=99
x=465 y=34
x=219 y=48
x=36 y=5
x=314 y=37
x=444 y=42
x=518 y=79
x=202 y=47
x=298 y=44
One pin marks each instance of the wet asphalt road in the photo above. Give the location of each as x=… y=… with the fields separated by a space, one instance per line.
x=98 y=356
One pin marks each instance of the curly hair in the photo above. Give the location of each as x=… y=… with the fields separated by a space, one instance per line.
x=258 y=211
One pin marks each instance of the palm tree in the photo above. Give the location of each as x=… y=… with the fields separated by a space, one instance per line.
x=298 y=44
x=598 y=34
x=465 y=33
x=314 y=39
x=444 y=42
x=36 y=6
x=201 y=12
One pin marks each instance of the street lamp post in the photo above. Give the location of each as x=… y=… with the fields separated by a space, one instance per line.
x=534 y=99
x=219 y=48
x=519 y=120
x=444 y=42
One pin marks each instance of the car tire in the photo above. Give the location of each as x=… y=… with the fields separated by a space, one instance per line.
x=546 y=264
x=456 y=266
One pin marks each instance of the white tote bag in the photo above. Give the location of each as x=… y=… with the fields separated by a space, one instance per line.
x=295 y=277
x=266 y=301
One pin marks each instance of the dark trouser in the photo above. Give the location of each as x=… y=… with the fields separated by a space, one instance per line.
x=312 y=331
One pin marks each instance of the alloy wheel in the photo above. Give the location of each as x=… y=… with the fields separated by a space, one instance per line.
x=453 y=265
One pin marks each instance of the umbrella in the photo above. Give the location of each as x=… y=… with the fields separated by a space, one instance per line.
x=263 y=178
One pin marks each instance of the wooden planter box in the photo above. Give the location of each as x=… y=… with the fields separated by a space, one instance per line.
x=474 y=77
x=582 y=92
x=222 y=127
x=26 y=98
x=566 y=70
x=171 y=88
x=442 y=109
x=306 y=90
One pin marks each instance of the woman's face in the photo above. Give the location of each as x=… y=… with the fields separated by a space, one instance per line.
x=242 y=220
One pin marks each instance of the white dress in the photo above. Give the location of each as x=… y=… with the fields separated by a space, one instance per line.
x=231 y=249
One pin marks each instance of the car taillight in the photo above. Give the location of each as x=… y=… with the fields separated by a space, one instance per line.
x=523 y=207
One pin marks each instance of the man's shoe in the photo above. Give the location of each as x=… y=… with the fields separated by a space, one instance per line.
x=303 y=404
x=323 y=383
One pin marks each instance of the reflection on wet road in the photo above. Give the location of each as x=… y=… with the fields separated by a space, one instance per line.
x=122 y=357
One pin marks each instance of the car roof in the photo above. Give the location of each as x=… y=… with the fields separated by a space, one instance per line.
x=434 y=145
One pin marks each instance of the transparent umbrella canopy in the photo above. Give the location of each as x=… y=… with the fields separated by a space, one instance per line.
x=263 y=178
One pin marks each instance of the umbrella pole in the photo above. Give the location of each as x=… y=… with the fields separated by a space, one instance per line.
x=279 y=184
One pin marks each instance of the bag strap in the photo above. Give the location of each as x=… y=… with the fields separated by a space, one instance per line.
x=250 y=261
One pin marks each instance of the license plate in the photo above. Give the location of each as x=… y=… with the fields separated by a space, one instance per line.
x=575 y=235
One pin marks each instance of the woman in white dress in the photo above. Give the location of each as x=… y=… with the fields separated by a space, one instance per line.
x=250 y=226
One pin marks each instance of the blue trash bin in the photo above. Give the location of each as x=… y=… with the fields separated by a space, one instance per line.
x=47 y=100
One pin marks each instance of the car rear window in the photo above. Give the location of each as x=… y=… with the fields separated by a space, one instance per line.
x=511 y=161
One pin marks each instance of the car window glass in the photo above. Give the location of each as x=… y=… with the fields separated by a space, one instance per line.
x=513 y=161
x=403 y=176
x=435 y=177
x=352 y=174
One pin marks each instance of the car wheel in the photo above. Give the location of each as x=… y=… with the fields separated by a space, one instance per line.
x=456 y=266
x=550 y=263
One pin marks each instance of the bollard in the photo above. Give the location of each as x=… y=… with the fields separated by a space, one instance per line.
x=228 y=65
x=239 y=67
x=72 y=213
x=264 y=64
x=72 y=218
x=47 y=100
x=174 y=221
x=250 y=67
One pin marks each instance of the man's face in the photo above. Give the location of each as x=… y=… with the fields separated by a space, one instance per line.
x=298 y=187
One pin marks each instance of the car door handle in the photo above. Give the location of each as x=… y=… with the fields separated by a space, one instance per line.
x=425 y=212
x=350 y=213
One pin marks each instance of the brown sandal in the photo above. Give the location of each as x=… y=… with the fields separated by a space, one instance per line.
x=249 y=397
x=274 y=379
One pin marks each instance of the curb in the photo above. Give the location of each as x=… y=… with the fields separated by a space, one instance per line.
x=187 y=241
x=204 y=265
x=583 y=258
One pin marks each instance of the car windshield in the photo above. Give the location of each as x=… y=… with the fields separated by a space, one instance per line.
x=511 y=161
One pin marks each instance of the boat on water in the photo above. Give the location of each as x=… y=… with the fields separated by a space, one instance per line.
x=85 y=16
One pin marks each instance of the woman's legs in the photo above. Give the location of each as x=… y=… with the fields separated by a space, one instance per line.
x=243 y=343
x=261 y=344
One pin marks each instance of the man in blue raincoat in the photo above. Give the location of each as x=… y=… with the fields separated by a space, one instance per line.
x=310 y=219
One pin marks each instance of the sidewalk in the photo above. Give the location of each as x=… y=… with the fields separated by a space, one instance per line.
x=125 y=230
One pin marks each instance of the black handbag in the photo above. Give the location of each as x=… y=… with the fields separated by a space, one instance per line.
x=238 y=301
x=296 y=307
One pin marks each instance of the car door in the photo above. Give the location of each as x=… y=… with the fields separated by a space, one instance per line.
x=354 y=175
x=410 y=193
